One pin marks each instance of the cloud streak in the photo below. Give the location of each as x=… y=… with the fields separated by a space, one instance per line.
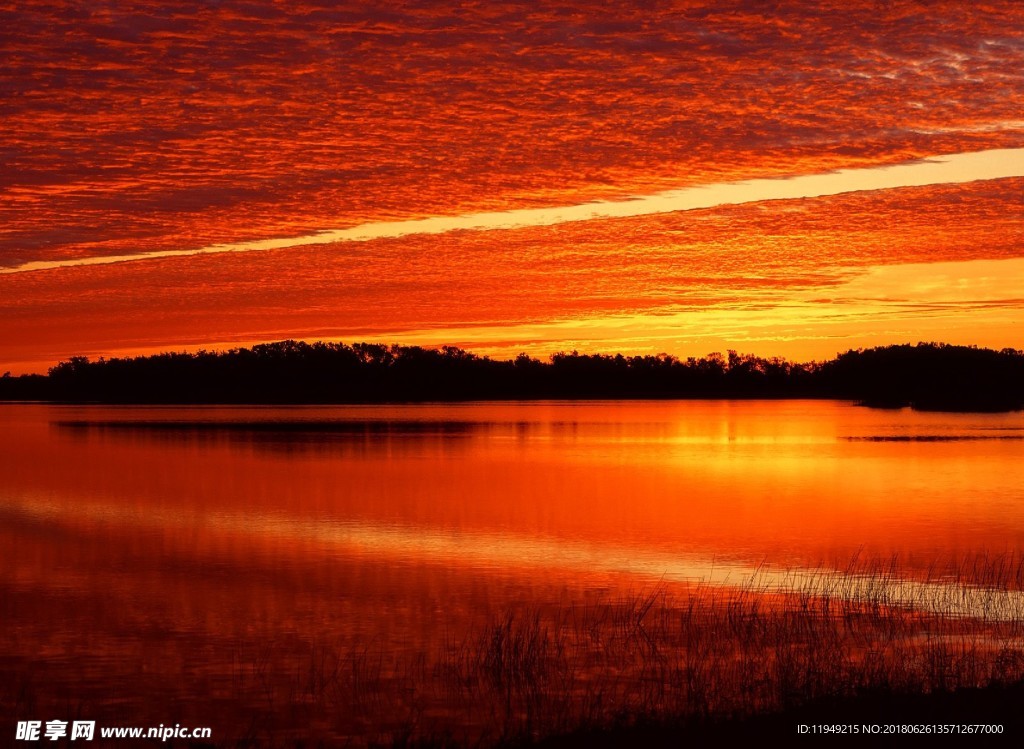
x=947 y=169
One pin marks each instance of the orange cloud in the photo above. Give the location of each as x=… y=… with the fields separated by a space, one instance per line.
x=142 y=128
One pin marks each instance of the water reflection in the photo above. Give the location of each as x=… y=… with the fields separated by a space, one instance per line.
x=790 y=482
x=142 y=550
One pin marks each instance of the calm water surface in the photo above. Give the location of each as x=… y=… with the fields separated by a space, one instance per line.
x=146 y=552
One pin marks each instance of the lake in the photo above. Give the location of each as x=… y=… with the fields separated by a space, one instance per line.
x=302 y=571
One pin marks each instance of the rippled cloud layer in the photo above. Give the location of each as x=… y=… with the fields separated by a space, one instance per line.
x=138 y=126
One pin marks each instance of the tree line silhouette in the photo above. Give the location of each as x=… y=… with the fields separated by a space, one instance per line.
x=926 y=376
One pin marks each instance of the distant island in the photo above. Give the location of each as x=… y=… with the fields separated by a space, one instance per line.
x=926 y=376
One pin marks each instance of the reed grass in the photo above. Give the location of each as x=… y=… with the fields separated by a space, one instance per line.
x=662 y=653
x=703 y=652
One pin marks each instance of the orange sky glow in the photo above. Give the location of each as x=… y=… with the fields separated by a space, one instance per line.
x=660 y=177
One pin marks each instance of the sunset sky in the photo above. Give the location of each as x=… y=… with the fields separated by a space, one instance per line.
x=783 y=178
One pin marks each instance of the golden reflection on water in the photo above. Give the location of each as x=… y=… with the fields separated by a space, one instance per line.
x=793 y=482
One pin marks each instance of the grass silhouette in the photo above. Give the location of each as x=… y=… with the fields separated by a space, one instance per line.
x=693 y=659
